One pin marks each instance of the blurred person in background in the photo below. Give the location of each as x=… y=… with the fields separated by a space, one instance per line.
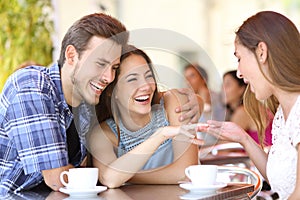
x=197 y=78
x=234 y=89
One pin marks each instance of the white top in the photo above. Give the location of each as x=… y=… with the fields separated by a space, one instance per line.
x=282 y=159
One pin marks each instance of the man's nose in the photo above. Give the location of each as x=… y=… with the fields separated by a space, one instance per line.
x=108 y=75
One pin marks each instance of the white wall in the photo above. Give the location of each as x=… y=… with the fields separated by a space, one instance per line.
x=209 y=23
x=198 y=30
x=66 y=12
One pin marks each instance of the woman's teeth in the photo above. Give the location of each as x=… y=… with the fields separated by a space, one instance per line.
x=142 y=98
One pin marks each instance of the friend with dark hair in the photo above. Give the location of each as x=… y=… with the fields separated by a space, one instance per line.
x=140 y=140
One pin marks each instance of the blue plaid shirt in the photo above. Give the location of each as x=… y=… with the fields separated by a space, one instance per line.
x=34 y=117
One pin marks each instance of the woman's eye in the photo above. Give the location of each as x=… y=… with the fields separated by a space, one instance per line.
x=132 y=79
x=149 y=76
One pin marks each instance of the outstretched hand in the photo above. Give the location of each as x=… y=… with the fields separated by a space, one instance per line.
x=173 y=131
x=228 y=131
x=192 y=109
x=188 y=131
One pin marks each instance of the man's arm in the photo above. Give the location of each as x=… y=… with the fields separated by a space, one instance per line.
x=192 y=109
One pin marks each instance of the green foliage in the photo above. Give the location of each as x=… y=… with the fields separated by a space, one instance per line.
x=25 y=34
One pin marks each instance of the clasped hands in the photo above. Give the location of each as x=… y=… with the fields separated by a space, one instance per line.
x=228 y=131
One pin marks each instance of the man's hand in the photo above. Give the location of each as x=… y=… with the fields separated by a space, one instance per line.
x=193 y=108
x=51 y=177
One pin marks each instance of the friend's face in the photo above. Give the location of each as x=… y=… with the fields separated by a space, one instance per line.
x=233 y=91
x=95 y=69
x=194 y=78
x=135 y=87
x=248 y=69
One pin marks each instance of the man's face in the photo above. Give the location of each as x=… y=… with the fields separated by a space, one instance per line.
x=95 y=69
x=194 y=79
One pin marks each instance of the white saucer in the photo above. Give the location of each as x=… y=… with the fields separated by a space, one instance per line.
x=195 y=196
x=202 y=189
x=79 y=193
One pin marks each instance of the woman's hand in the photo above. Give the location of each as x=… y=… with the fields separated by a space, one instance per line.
x=173 y=131
x=228 y=131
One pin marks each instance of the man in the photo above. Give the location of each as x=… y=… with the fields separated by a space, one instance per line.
x=46 y=112
x=36 y=120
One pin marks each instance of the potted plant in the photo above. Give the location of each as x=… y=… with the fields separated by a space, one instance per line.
x=25 y=34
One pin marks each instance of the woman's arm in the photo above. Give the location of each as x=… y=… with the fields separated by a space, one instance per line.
x=113 y=171
x=180 y=143
x=169 y=174
x=185 y=153
x=191 y=109
x=229 y=131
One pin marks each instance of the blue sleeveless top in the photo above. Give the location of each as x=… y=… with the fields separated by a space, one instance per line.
x=129 y=140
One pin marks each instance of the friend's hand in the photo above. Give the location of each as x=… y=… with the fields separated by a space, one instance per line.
x=193 y=108
x=228 y=131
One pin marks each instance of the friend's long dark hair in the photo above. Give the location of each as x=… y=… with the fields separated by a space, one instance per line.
x=105 y=108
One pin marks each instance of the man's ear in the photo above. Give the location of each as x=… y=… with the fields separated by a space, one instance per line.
x=71 y=54
x=262 y=52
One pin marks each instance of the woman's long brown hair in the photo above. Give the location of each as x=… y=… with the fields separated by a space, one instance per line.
x=282 y=39
x=107 y=107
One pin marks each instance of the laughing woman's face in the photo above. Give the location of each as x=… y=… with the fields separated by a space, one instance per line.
x=248 y=69
x=136 y=86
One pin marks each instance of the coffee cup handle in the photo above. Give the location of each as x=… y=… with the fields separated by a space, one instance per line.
x=62 y=180
x=187 y=172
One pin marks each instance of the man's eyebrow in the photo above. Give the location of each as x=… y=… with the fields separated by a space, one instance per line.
x=103 y=60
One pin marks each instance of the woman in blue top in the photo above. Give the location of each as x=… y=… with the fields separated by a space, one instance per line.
x=142 y=142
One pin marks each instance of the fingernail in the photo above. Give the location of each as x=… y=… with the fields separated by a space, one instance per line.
x=203 y=125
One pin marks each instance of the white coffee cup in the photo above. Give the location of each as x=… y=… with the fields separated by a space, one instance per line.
x=80 y=178
x=202 y=174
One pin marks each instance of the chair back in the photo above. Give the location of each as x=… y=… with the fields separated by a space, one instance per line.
x=239 y=174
